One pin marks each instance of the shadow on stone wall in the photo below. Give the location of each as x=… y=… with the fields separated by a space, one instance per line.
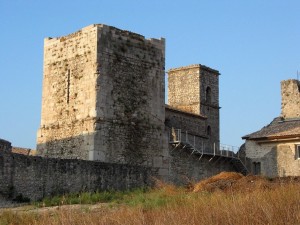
x=35 y=177
x=186 y=168
x=74 y=147
x=269 y=162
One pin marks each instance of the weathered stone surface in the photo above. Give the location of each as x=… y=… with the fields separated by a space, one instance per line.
x=103 y=97
x=193 y=128
x=273 y=148
x=178 y=119
x=5 y=146
x=104 y=118
x=195 y=89
x=290 y=94
x=276 y=159
x=186 y=168
x=37 y=177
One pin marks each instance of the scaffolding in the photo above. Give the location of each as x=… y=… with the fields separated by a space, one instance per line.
x=196 y=146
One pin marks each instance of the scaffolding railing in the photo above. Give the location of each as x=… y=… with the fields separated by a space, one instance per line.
x=198 y=146
x=177 y=136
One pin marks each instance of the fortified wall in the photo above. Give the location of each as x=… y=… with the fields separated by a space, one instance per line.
x=33 y=178
x=103 y=100
x=103 y=97
x=192 y=121
x=5 y=146
x=104 y=123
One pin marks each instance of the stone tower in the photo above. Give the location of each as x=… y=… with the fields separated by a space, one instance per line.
x=290 y=99
x=195 y=89
x=103 y=96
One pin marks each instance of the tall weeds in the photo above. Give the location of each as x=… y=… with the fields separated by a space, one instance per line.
x=169 y=205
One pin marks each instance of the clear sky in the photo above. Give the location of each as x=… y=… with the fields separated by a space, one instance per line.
x=254 y=44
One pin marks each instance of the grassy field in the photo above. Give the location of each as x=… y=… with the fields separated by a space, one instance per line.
x=227 y=199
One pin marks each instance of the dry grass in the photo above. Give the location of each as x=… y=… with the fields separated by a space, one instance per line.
x=220 y=181
x=265 y=202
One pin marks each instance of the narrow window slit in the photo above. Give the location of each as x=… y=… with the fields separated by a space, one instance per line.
x=68 y=87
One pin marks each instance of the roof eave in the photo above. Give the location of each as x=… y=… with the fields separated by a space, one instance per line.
x=274 y=138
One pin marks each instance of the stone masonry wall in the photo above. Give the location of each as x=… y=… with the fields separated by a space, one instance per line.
x=265 y=154
x=69 y=95
x=36 y=177
x=209 y=106
x=186 y=168
x=130 y=100
x=277 y=159
x=194 y=124
x=103 y=97
x=290 y=94
x=184 y=89
x=288 y=160
x=5 y=146
x=195 y=89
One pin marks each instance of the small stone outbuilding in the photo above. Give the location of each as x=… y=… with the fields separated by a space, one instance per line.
x=275 y=149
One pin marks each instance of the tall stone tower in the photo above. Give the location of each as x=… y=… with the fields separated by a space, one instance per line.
x=103 y=96
x=290 y=99
x=195 y=89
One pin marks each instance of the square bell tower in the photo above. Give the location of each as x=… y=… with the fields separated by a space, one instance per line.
x=195 y=89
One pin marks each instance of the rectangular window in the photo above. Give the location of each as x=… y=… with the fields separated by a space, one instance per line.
x=256 y=168
x=297 y=151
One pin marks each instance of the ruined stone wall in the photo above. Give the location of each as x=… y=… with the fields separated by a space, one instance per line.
x=277 y=159
x=290 y=95
x=69 y=95
x=5 y=146
x=36 y=177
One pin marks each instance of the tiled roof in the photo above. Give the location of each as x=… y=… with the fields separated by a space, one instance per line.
x=278 y=128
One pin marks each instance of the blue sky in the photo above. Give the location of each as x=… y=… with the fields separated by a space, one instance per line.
x=254 y=44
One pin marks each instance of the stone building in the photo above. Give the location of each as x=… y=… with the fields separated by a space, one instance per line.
x=275 y=149
x=104 y=123
x=103 y=96
x=103 y=100
x=194 y=89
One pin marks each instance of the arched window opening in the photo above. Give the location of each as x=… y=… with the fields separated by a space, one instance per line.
x=208 y=131
x=208 y=95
